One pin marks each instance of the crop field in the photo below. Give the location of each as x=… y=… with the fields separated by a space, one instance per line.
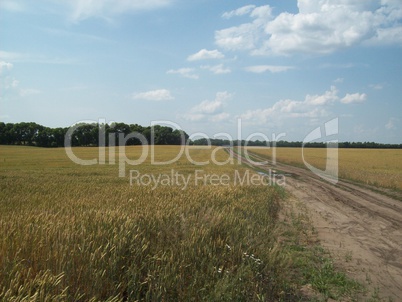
x=70 y=232
x=378 y=167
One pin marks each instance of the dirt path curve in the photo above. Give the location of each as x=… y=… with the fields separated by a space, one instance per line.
x=362 y=229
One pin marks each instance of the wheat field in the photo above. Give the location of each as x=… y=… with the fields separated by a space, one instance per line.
x=378 y=167
x=81 y=233
x=78 y=233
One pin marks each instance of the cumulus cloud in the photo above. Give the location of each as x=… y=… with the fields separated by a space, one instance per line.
x=270 y=68
x=210 y=110
x=320 y=26
x=204 y=54
x=184 y=72
x=313 y=106
x=246 y=36
x=217 y=69
x=328 y=97
x=84 y=9
x=154 y=95
x=239 y=12
x=211 y=107
x=354 y=98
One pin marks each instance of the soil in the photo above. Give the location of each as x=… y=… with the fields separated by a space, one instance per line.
x=359 y=225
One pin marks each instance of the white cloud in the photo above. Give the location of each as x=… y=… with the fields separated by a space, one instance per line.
x=217 y=69
x=10 y=56
x=84 y=9
x=28 y=92
x=12 y=6
x=204 y=54
x=210 y=110
x=313 y=106
x=328 y=97
x=10 y=83
x=79 y=36
x=207 y=107
x=320 y=26
x=32 y=58
x=220 y=117
x=243 y=37
x=12 y=86
x=246 y=36
x=154 y=95
x=211 y=107
x=238 y=12
x=392 y=123
x=337 y=66
x=5 y=66
x=270 y=68
x=354 y=98
x=377 y=86
x=184 y=72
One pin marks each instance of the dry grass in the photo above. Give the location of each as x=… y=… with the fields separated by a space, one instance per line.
x=77 y=233
x=81 y=233
x=379 y=167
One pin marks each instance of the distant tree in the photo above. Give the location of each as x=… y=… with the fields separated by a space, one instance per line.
x=3 y=138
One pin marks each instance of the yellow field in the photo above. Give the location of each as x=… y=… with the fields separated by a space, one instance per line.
x=71 y=232
x=379 y=167
x=81 y=233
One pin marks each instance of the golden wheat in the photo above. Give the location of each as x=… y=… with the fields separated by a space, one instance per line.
x=72 y=232
x=379 y=167
x=82 y=233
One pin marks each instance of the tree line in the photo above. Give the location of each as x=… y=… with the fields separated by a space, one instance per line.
x=84 y=135
x=296 y=144
x=33 y=134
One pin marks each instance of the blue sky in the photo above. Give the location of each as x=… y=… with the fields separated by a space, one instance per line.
x=279 y=66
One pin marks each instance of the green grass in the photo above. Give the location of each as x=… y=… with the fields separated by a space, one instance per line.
x=81 y=233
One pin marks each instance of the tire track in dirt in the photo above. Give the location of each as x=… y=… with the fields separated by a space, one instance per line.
x=361 y=228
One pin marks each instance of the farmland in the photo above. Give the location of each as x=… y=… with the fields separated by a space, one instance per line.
x=378 y=167
x=360 y=215
x=81 y=233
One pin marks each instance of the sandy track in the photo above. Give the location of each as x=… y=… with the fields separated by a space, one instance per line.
x=361 y=228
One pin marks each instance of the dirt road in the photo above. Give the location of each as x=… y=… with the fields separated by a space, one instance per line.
x=361 y=228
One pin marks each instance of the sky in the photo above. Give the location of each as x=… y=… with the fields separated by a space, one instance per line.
x=238 y=69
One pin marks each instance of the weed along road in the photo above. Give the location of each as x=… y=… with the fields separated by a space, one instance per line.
x=361 y=228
